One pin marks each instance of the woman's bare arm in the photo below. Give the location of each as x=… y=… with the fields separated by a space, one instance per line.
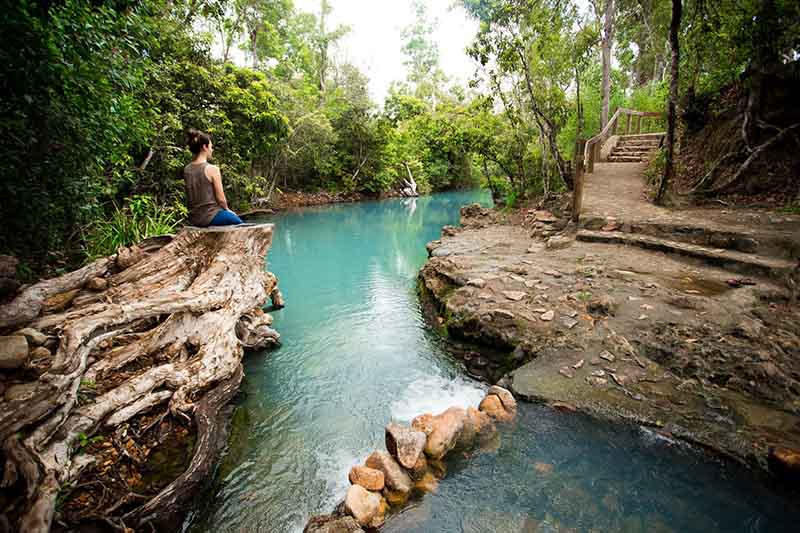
x=212 y=171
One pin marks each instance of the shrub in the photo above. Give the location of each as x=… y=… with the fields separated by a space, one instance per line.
x=139 y=219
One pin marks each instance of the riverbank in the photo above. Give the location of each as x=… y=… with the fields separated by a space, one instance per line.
x=694 y=351
x=288 y=200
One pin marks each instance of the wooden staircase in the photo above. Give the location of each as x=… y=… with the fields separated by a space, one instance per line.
x=635 y=148
x=634 y=142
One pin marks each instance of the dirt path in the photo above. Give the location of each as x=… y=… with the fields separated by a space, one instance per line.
x=617 y=190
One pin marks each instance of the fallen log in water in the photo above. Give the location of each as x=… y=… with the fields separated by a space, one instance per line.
x=127 y=334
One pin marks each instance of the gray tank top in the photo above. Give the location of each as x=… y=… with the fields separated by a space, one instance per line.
x=200 y=199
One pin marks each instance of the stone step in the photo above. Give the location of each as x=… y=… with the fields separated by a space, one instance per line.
x=642 y=136
x=648 y=144
x=629 y=150
x=625 y=159
x=744 y=263
x=781 y=244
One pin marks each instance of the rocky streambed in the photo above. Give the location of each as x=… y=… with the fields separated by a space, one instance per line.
x=623 y=334
x=413 y=462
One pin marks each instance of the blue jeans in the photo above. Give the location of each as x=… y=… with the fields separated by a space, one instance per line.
x=225 y=218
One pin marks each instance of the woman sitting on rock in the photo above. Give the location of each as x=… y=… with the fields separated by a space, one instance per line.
x=205 y=197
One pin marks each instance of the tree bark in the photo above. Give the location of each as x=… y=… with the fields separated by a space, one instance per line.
x=169 y=319
x=606 y=44
x=545 y=124
x=669 y=167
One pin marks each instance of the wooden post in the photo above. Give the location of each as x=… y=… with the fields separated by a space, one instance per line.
x=590 y=161
x=628 y=125
x=614 y=128
x=577 y=180
x=638 y=124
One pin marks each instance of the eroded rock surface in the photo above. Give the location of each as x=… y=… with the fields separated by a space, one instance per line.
x=332 y=524
x=404 y=443
x=369 y=478
x=443 y=430
x=364 y=506
x=394 y=476
x=13 y=351
x=623 y=333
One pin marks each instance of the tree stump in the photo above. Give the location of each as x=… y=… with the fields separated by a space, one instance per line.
x=170 y=328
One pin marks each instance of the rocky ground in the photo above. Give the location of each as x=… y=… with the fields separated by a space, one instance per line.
x=700 y=353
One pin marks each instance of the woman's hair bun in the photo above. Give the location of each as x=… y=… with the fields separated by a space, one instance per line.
x=196 y=140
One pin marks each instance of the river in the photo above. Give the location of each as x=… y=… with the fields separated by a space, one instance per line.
x=357 y=353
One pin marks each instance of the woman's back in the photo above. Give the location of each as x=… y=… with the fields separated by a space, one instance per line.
x=200 y=199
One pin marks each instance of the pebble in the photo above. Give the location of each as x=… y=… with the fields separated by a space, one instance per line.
x=567 y=372
x=578 y=365
x=598 y=373
x=608 y=356
x=548 y=316
x=570 y=323
x=477 y=282
x=35 y=337
x=40 y=352
x=514 y=296
x=503 y=313
x=553 y=273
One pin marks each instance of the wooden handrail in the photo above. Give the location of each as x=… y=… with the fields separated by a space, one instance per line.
x=592 y=149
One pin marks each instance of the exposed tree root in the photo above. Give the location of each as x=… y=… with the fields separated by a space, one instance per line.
x=171 y=325
x=754 y=155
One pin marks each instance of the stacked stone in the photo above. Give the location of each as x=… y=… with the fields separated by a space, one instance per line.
x=413 y=461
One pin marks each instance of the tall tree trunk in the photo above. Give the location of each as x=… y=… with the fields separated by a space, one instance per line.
x=579 y=107
x=545 y=124
x=607 y=42
x=669 y=167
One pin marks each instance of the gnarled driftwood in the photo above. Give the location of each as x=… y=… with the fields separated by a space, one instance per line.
x=173 y=323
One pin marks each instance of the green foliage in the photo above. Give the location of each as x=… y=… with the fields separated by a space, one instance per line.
x=139 y=219
x=84 y=440
x=655 y=168
x=113 y=89
x=97 y=96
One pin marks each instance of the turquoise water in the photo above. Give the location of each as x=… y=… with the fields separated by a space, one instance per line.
x=557 y=471
x=357 y=353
